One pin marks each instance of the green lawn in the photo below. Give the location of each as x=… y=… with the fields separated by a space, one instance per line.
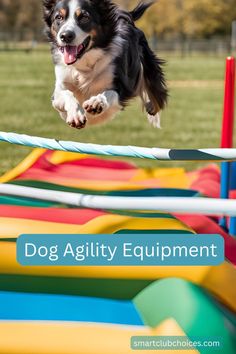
x=192 y=119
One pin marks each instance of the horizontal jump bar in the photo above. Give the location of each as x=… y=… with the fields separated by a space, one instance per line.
x=203 y=206
x=122 y=151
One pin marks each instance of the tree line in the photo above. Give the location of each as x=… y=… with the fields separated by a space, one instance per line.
x=166 y=19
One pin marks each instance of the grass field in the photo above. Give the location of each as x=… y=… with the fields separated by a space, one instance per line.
x=192 y=119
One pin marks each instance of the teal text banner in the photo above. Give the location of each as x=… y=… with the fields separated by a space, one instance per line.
x=120 y=250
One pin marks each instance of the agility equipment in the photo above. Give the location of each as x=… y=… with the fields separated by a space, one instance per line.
x=121 y=151
x=166 y=204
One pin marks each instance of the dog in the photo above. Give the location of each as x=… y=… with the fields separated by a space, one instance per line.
x=102 y=61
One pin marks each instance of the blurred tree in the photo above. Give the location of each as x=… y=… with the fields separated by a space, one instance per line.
x=207 y=17
x=175 y=18
x=9 y=12
x=188 y=18
x=23 y=17
x=30 y=17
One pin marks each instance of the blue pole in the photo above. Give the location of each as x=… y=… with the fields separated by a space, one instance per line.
x=225 y=186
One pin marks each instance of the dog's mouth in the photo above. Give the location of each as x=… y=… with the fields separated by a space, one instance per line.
x=73 y=53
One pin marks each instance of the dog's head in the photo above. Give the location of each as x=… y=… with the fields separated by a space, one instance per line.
x=76 y=26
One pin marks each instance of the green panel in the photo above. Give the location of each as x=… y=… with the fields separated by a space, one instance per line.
x=104 y=288
x=155 y=192
x=20 y=201
x=195 y=312
x=52 y=186
x=141 y=214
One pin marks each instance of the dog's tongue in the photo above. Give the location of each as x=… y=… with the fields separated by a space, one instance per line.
x=70 y=54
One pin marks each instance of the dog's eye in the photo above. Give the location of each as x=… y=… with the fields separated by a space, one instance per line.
x=59 y=17
x=85 y=16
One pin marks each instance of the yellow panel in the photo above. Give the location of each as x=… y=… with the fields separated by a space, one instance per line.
x=162 y=177
x=107 y=224
x=72 y=338
x=9 y=265
x=59 y=157
x=110 y=224
x=171 y=177
x=23 y=166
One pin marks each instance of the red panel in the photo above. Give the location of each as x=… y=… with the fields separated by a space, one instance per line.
x=64 y=216
x=205 y=225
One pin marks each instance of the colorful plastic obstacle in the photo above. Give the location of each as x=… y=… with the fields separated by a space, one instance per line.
x=18 y=215
x=191 y=311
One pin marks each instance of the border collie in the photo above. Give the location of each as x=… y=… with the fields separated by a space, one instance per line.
x=102 y=60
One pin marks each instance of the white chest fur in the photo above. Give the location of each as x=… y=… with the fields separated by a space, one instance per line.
x=89 y=76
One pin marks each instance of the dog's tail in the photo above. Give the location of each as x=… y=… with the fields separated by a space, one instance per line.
x=139 y=10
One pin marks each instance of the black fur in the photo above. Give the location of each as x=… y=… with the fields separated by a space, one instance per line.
x=48 y=6
x=153 y=76
x=139 y=10
x=136 y=51
x=135 y=63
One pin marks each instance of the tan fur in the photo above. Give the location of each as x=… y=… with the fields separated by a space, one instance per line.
x=63 y=12
x=90 y=76
x=78 y=12
x=53 y=31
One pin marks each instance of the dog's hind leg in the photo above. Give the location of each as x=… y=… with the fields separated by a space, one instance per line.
x=155 y=120
x=154 y=117
x=155 y=92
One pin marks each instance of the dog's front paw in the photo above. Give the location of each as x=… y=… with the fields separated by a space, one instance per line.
x=96 y=104
x=76 y=119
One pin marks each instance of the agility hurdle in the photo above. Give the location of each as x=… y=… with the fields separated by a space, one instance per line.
x=206 y=206
x=121 y=151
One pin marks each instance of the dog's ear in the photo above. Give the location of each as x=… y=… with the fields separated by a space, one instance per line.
x=48 y=6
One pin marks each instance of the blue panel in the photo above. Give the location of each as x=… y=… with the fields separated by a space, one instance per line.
x=232 y=228
x=37 y=307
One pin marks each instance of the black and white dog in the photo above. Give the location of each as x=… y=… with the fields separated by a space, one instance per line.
x=102 y=60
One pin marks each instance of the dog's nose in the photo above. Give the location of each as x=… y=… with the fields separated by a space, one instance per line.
x=67 y=36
